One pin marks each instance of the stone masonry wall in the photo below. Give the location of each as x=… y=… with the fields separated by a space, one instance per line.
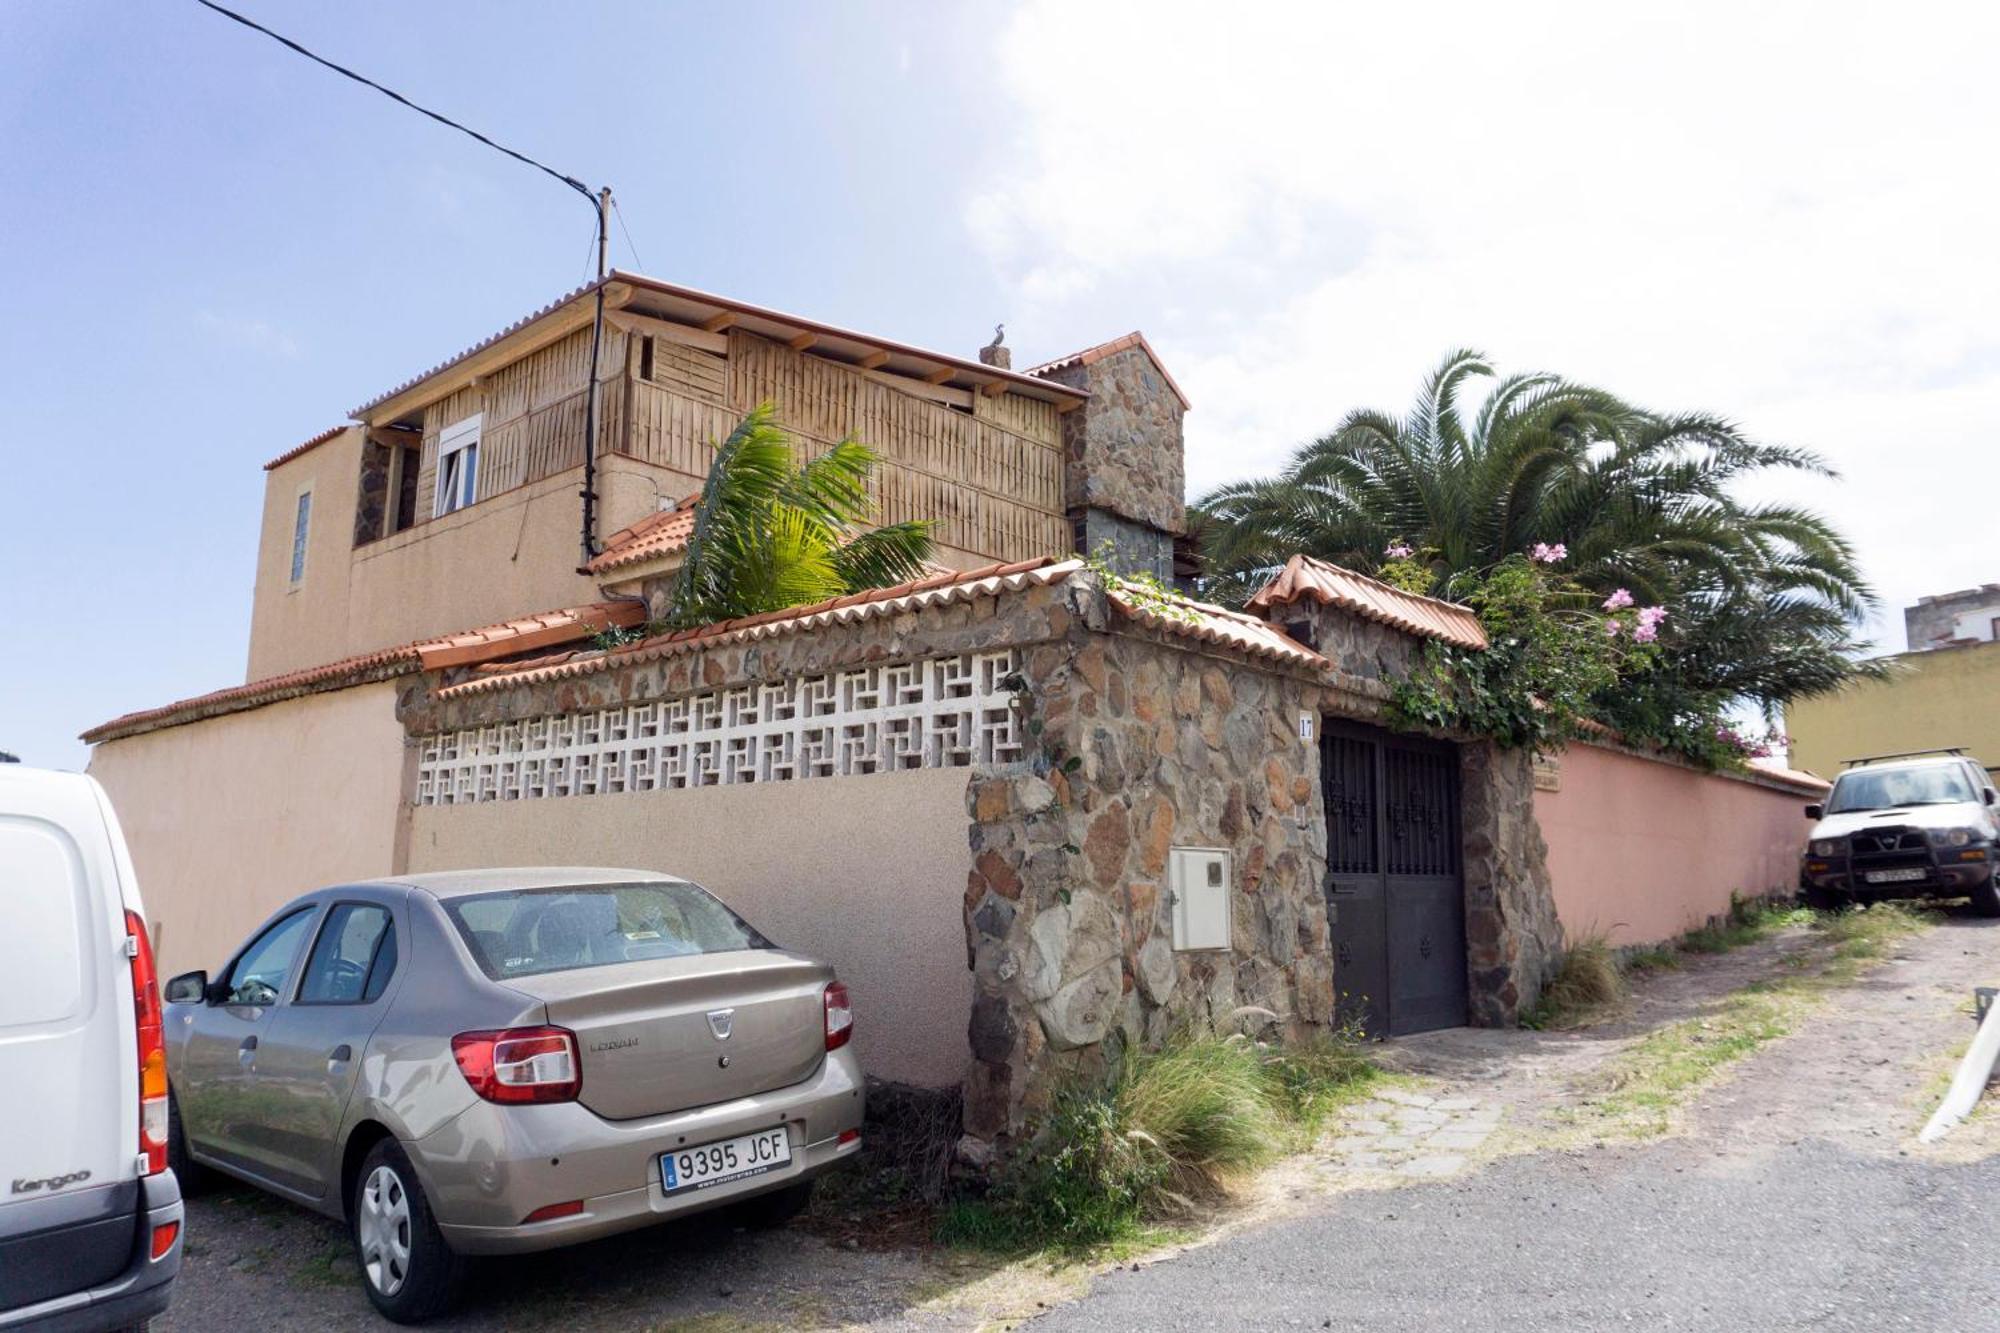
x=1125 y=445
x=1144 y=745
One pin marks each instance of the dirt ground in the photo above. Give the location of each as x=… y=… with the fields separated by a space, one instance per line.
x=1863 y=1069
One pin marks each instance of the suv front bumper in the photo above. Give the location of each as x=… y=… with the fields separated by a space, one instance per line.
x=1948 y=872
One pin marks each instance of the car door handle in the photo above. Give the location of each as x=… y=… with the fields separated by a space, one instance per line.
x=340 y=1054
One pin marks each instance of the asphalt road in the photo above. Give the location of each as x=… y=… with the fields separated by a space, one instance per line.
x=1797 y=1200
x=1815 y=1236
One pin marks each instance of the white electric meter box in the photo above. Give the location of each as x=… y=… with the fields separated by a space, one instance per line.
x=1199 y=879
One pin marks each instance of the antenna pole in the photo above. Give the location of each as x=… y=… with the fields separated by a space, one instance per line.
x=590 y=391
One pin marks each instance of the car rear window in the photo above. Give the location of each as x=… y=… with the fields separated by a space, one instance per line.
x=522 y=932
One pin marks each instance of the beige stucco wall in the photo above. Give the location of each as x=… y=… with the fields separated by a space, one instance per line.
x=867 y=873
x=1641 y=850
x=1945 y=696
x=511 y=555
x=229 y=817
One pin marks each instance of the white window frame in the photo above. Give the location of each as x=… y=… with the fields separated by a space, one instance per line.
x=301 y=552
x=457 y=439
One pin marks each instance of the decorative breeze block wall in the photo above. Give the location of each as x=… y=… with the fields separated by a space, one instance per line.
x=946 y=712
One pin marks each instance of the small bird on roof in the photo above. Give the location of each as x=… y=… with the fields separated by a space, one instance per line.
x=999 y=336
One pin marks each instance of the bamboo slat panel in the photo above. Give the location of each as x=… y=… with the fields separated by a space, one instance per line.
x=991 y=490
x=533 y=416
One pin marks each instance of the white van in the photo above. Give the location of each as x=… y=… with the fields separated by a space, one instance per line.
x=90 y=1216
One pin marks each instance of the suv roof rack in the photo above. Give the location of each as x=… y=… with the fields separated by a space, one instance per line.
x=1955 y=750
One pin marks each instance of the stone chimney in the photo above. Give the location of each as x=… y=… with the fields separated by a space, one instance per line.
x=1125 y=484
x=996 y=355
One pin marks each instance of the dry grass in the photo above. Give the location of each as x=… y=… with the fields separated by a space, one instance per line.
x=1589 y=981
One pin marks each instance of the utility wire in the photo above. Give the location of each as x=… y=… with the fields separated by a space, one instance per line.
x=395 y=96
x=619 y=213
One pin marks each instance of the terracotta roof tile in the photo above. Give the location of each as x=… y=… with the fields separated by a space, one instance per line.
x=941 y=589
x=477 y=645
x=1371 y=599
x=1220 y=627
x=1092 y=355
x=651 y=537
x=529 y=633
x=314 y=443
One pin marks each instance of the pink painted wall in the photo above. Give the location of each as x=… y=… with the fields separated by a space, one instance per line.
x=1643 y=849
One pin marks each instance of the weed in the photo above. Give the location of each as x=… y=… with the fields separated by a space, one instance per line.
x=1747 y=921
x=1654 y=958
x=1166 y=1130
x=1588 y=980
x=331 y=1267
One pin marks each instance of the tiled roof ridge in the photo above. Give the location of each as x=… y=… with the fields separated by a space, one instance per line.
x=1372 y=599
x=1092 y=355
x=955 y=585
x=308 y=446
x=358 y=669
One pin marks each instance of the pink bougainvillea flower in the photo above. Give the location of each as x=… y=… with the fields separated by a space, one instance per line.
x=1398 y=551
x=1645 y=632
x=1545 y=554
x=1652 y=616
x=1611 y=628
x=1619 y=600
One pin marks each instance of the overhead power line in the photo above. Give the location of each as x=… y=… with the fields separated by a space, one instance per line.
x=395 y=96
x=598 y=200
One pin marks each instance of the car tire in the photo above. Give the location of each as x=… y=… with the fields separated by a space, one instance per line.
x=192 y=1176
x=1986 y=898
x=407 y=1268
x=769 y=1211
x=1827 y=900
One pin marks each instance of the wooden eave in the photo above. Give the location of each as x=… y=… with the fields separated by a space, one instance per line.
x=702 y=313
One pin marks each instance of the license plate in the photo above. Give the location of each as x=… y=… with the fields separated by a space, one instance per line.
x=731 y=1159
x=1908 y=876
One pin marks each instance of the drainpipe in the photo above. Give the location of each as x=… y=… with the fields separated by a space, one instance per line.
x=590 y=390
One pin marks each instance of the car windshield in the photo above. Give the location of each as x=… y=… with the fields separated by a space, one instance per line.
x=1891 y=788
x=522 y=932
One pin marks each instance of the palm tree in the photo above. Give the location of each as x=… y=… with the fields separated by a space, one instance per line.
x=771 y=532
x=1642 y=500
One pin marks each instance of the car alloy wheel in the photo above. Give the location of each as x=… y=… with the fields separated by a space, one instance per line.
x=383 y=1229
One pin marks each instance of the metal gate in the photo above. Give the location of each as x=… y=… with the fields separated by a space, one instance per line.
x=1395 y=894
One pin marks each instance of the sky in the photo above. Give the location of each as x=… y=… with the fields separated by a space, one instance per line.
x=210 y=249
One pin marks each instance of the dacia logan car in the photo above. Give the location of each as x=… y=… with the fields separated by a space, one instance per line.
x=495 y=1061
x=1905 y=827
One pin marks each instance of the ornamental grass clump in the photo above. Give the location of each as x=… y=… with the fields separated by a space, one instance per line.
x=1165 y=1132
x=1589 y=981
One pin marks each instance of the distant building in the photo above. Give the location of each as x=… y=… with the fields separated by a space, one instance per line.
x=1954 y=619
x=1944 y=691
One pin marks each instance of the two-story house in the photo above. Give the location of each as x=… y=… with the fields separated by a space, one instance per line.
x=446 y=525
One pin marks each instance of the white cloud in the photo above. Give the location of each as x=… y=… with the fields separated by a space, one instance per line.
x=1784 y=213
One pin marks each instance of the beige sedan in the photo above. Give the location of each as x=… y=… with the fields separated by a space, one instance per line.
x=493 y=1061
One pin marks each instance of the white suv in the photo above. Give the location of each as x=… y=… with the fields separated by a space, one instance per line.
x=90 y=1216
x=1905 y=826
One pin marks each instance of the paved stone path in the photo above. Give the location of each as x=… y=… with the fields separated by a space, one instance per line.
x=1410 y=1134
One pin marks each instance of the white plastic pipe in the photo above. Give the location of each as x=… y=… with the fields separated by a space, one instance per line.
x=1969 y=1082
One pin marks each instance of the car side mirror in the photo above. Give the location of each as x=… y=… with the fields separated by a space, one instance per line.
x=1815 y=812
x=1990 y=796
x=188 y=988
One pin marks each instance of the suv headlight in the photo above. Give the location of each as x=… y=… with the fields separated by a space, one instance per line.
x=1826 y=847
x=1952 y=837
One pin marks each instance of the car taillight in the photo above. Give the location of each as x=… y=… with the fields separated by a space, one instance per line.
x=152 y=1048
x=520 y=1064
x=839 y=1016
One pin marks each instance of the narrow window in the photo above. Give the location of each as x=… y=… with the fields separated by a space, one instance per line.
x=300 y=522
x=457 y=467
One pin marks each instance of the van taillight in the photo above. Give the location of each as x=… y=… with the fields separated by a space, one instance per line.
x=152 y=1048
x=839 y=1016
x=520 y=1064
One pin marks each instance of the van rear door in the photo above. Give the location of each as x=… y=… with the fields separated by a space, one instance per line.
x=69 y=1078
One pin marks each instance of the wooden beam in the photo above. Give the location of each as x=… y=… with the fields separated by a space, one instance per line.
x=718 y=323
x=940 y=375
x=995 y=389
x=873 y=361
x=803 y=341
x=685 y=334
x=936 y=393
